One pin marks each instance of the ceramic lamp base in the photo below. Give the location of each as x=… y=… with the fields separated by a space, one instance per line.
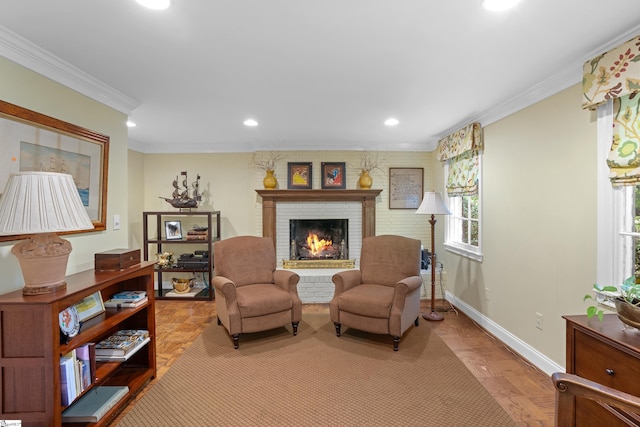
x=43 y=261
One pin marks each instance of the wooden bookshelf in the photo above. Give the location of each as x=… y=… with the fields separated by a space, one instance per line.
x=31 y=347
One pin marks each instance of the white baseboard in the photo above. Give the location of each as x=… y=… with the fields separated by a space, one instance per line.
x=529 y=353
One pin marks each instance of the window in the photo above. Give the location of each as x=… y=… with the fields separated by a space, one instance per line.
x=463 y=226
x=618 y=243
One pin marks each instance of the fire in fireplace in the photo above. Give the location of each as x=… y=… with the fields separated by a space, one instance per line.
x=319 y=239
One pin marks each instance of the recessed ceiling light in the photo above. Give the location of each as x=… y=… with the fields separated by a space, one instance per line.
x=250 y=122
x=391 y=122
x=130 y=124
x=155 y=4
x=498 y=5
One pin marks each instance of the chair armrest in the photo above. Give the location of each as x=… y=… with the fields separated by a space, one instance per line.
x=411 y=283
x=569 y=386
x=402 y=289
x=286 y=279
x=225 y=286
x=346 y=280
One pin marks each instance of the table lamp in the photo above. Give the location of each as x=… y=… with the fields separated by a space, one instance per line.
x=42 y=204
x=432 y=204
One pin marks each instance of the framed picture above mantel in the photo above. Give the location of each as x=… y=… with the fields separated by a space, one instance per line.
x=299 y=175
x=30 y=141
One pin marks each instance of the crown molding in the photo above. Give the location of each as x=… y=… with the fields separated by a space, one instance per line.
x=33 y=57
x=249 y=147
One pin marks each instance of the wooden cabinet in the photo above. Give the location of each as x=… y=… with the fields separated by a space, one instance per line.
x=157 y=239
x=31 y=346
x=604 y=352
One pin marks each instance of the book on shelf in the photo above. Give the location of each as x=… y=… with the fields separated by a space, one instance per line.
x=122 y=357
x=122 y=342
x=87 y=355
x=130 y=332
x=197 y=237
x=68 y=391
x=129 y=295
x=77 y=372
x=125 y=303
x=94 y=405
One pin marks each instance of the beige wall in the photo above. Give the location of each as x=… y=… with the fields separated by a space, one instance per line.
x=229 y=180
x=30 y=90
x=539 y=222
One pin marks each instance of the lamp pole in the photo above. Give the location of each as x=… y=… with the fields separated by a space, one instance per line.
x=433 y=315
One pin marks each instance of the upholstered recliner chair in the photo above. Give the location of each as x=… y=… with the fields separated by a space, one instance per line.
x=383 y=297
x=251 y=295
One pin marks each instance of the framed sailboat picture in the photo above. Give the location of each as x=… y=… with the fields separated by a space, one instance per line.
x=30 y=141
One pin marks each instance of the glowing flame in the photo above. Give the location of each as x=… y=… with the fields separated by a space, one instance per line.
x=316 y=245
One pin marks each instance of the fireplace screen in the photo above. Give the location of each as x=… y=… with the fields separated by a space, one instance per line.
x=319 y=239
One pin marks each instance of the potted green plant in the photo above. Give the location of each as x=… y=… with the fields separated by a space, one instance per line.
x=627 y=303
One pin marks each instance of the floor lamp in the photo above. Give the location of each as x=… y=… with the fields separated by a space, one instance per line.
x=433 y=205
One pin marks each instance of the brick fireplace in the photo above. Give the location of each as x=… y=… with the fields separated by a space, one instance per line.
x=280 y=206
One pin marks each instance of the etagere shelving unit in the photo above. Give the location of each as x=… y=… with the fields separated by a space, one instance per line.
x=155 y=237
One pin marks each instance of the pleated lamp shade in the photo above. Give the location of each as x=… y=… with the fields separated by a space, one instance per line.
x=42 y=204
x=432 y=204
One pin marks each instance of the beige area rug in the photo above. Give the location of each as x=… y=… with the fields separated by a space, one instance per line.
x=317 y=379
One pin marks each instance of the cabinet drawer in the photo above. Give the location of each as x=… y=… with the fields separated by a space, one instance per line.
x=601 y=362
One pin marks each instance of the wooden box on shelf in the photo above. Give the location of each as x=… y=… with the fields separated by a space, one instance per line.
x=32 y=345
x=117 y=259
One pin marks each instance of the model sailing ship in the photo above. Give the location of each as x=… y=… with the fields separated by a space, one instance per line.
x=180 y=196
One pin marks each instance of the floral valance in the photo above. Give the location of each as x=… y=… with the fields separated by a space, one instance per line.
x=462 y=179
x=624 y=157
x=469 y=138
x=461 y=149
x=611 y=75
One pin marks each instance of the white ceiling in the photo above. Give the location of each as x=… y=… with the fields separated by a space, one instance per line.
x=321 y=74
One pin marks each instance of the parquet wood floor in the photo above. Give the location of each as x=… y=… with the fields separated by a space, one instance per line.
x=525 y=392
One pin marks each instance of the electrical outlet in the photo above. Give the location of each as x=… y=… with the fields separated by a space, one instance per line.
x=539 y=321
x=486 y=294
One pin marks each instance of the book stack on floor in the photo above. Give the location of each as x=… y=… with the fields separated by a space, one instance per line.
x=94 y=405
x=77 y=371
x=127 y=299
x=121 y=345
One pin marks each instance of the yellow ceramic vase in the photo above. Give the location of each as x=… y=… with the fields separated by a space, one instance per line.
x=365 y=180
x=270 y=182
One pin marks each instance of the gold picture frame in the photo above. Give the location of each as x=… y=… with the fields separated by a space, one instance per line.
x=90 y=306
x=31 y=141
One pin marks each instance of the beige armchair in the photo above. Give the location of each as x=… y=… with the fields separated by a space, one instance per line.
x=251 y=295
x=383 y=297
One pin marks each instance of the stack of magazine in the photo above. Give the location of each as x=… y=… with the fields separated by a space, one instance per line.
x=127 y=299
x=121 y=345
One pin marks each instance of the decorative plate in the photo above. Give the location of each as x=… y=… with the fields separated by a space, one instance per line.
x=69 y=321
